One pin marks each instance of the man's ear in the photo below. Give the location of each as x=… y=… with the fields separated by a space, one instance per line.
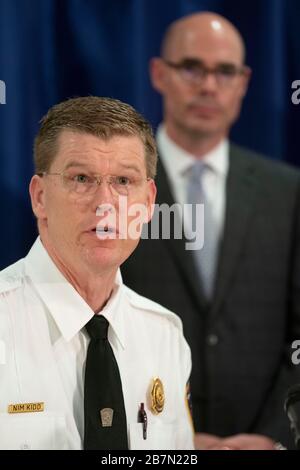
x=157 y=74
x=151 y=199
x=245 y=80
x=37 y=196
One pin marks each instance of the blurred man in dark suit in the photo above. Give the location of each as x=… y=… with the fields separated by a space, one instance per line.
x=239 y=296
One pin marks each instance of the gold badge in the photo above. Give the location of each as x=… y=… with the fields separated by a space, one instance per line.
x=26 y=407
x=106 y=415
x=157 y=396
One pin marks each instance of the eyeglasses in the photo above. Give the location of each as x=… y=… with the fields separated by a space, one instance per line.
x=194 y=71
x=87 y=185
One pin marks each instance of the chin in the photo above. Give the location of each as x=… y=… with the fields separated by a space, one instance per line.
x=203 y=124
x=94 y=253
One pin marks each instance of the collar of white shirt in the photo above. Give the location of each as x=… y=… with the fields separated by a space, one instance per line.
x=180 y=162
x=68 y=309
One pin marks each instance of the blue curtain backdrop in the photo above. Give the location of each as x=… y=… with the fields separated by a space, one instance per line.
x=54 y=49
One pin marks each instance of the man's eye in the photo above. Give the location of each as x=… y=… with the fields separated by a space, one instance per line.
x=193 y=69
x=122 y=180
x=81 y=178
x=191 y=66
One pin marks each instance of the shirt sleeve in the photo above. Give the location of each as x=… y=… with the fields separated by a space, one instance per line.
x=185 y=429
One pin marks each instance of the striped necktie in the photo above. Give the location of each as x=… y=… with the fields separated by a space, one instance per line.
x=206 y=257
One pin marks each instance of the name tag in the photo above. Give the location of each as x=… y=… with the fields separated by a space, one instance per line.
x=26 y=407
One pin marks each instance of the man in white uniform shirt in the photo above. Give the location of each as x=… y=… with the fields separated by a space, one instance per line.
x=92 y=156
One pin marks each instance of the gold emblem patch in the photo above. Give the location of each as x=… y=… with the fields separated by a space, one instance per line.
x=157 y=396
x=26 y=407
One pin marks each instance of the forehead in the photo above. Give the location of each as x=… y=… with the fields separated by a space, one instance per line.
x=88 y=149
x=210 y=46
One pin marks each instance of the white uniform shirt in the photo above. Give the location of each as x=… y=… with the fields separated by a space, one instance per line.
x=43 y=347
x=177 y=162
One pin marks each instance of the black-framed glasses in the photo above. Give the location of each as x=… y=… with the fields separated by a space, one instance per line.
x=83 y=184
x=194 y=71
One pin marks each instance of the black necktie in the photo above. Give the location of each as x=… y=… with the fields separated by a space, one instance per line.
x=105 y=425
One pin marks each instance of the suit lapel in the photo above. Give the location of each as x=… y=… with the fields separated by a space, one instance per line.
x=240 y=198
x=184 y=258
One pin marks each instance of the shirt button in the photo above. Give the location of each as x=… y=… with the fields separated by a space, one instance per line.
x=212 y=340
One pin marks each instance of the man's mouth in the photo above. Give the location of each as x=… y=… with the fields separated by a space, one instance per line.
x=104 y=231
x=203 y=108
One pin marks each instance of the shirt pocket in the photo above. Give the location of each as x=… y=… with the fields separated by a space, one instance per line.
x=160 y=436
x=37 y=431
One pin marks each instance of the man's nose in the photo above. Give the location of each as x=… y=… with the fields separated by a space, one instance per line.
x=208 y=83
x=103 y=193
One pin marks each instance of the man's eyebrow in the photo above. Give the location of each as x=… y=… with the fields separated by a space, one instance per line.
x=130 y=167
x=199 y=61
x=191 y=60
x=121 y=166
x=227 y=64
x=76 y=164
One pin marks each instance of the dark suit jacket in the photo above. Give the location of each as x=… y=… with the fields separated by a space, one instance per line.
x=241 y=342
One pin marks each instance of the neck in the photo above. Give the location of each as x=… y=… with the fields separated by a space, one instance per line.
x=194 y=142
x=85 y=282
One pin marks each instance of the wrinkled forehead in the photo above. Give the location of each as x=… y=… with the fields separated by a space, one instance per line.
x=210 y=46
x=87 y=150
